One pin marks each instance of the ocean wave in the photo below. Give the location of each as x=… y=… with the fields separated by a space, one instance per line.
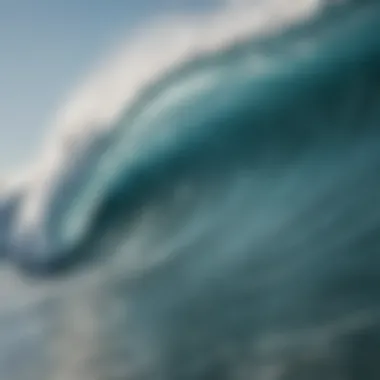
x=224 y=173
x=173 y=102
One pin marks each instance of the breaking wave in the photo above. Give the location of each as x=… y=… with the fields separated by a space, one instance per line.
x=206 y=89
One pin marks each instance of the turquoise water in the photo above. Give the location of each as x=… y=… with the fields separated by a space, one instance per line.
x=234 y=209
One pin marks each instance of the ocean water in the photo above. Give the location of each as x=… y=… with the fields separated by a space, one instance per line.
x=216 y=217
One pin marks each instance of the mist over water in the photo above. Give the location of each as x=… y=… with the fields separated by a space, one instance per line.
x=219 y=221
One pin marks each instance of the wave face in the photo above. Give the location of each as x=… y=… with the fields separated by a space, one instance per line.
x=219 y=218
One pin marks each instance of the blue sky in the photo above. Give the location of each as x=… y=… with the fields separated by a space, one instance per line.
x=46 y=47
